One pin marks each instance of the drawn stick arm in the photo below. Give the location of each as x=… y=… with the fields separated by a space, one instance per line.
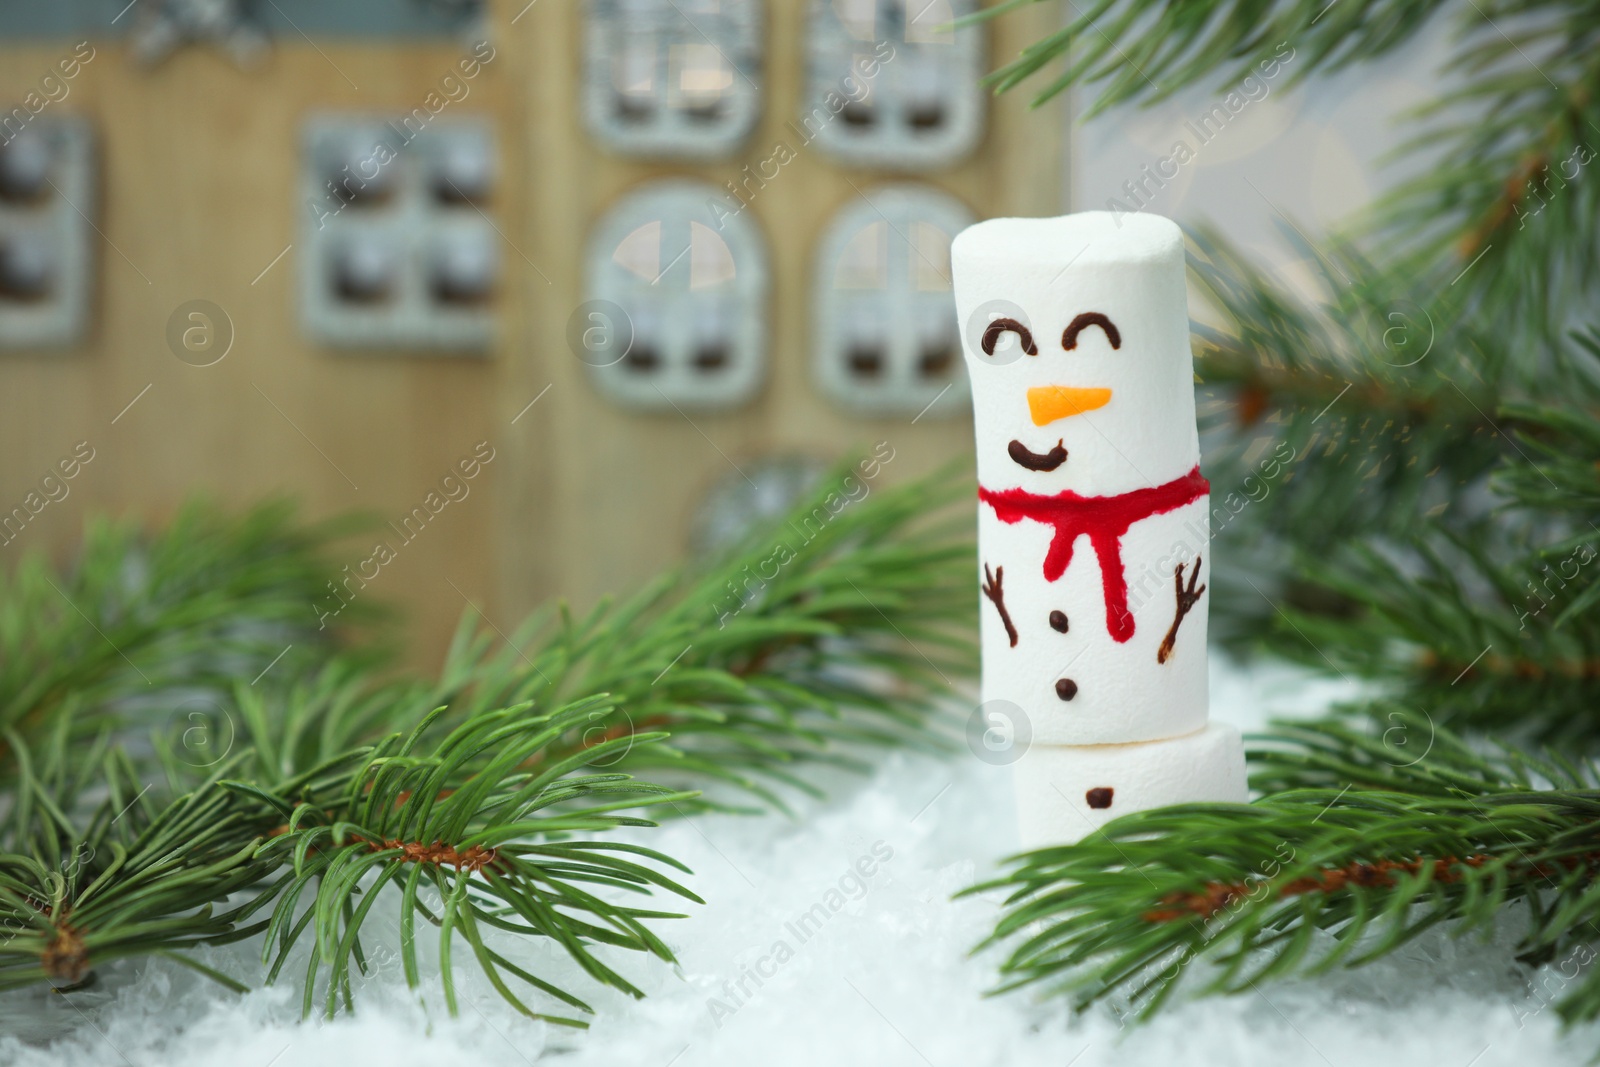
x=992 y=589
x=1186 y=598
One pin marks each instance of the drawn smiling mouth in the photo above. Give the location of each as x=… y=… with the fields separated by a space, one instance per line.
x=1023 y=457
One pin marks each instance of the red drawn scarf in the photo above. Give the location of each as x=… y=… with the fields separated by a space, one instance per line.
x=1105 y=519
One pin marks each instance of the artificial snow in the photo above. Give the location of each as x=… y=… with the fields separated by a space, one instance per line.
x=830 y=939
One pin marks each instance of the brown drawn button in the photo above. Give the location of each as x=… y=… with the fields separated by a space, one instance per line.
x=1099 y=797
x=1058 y=621
x=1066 y=689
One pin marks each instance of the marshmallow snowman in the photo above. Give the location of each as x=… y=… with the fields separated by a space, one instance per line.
x=1093 y=515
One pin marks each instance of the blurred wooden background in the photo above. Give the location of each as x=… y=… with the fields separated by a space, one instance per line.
x=197 y=175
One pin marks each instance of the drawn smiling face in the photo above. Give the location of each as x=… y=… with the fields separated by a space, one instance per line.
x=1050 y=403
x=1077 y=344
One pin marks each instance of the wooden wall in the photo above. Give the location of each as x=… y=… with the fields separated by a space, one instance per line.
x=197 y=178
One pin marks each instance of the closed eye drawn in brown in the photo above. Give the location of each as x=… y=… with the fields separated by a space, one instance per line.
x=992 y=332
x=1069 y=336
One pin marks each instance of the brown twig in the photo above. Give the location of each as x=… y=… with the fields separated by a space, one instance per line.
x=992 y=590
x=1187 y=598
x=1504 y=208
x=66 y=957
x=475 y=858
x=1219 y=895
x=1495 y=665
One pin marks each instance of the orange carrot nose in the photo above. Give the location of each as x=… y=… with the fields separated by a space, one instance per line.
x=1047 y=403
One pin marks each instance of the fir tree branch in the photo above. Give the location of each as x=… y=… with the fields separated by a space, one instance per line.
x=825 y=634
x=1369 y=412
x=1143 y=50
x=142 y=624
x=1555 y=470
x=822 y=637
x=1380 y=391
x=1505 y=154
x=487 y=838
x=139 y=881
x=130 y=879
x=1510 y=175
x=1307 y=880
x=474 y=802
x=1488 y=623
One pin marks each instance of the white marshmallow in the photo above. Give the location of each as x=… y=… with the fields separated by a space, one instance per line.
x=1122 y=693
x=1055 y=784
x=1130 y=270
x=1134 y=440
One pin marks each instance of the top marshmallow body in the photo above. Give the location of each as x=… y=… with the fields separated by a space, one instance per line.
x=1045 y=273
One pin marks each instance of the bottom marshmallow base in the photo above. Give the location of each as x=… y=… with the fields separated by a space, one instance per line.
x=1065 y=792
